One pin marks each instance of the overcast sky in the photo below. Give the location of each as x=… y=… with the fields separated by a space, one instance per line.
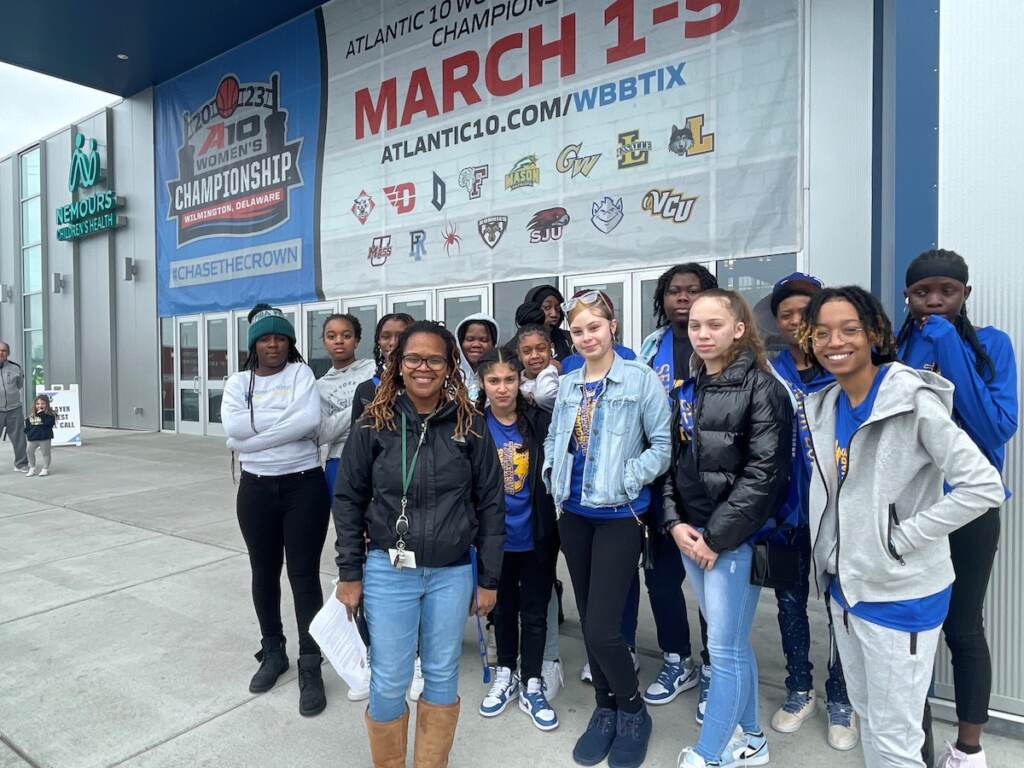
x=35 y=105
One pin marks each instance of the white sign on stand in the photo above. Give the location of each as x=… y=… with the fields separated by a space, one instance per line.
x=64 y=401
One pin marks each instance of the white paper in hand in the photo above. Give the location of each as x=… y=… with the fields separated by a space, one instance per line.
x=339 y=640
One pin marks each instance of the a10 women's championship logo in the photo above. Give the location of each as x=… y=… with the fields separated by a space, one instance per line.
x=234 y=167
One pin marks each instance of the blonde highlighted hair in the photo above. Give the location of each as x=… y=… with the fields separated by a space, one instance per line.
x=741 y=313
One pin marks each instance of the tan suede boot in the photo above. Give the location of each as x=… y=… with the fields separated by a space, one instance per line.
x=435 y=732
x=389 y=742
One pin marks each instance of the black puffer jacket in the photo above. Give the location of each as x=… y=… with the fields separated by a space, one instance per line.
x=731 y=477
x=456 y=498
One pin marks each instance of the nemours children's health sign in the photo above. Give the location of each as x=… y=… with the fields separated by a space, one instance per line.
x=64 y=400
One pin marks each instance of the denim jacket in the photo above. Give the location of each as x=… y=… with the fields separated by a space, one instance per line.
x=630 y=445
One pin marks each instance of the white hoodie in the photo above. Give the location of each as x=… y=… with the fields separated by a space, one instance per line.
x=543 y=389
x=337 y=388
x=467 y=370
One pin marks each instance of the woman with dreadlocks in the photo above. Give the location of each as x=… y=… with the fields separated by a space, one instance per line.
x=271 y=414
x=424 y=483
x=884 y=435
x=938 y=336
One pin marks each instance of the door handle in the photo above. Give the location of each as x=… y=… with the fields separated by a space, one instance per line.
x=195 y=383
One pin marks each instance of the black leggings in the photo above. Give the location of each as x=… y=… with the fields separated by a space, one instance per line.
x=602 y=557
x=524 y=591
x=973 y=549
x=279 y=515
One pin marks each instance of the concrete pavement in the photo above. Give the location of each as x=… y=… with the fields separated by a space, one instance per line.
x=127 y=634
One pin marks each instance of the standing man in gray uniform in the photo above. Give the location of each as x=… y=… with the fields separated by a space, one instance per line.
x=12 y=410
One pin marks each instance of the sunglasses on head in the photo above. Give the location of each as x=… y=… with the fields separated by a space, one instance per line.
x=588 y=299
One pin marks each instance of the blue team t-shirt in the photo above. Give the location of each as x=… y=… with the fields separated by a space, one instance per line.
x=578 y=445
x=515 y=471
x=916 y=615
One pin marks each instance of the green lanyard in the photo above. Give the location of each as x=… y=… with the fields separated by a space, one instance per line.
x=408 y=469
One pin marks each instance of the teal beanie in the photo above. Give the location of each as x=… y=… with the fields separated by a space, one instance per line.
x=265 y=320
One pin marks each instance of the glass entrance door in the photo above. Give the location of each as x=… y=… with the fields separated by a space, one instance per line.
x=456 y=304
x=368 y=310
x=188 y=384
x=419 y=304
x=215 y=376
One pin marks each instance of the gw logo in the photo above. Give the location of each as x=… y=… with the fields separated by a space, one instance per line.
x=669 y=204
x=569 y=160
x=631 y=151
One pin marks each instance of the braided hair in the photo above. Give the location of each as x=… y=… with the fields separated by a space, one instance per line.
x=869 y=310
x=378 y=353
x=380 y=413
x=252 y=362
x=982 y=362
x=501 y=356
x=707 y=282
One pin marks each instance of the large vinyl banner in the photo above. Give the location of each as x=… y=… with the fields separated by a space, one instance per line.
x=484 y=140
x=236 y=175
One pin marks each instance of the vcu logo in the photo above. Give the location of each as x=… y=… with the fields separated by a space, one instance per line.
x=401 y=196
x=669 y=204
x=632 y=151
x=570 y=161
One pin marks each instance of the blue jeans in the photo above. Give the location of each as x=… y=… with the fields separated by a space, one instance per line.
x=406 y=606
x=796 y=632
x=728 y=600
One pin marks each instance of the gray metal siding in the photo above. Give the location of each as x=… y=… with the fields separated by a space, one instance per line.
x=980 y=167
x=10 y=328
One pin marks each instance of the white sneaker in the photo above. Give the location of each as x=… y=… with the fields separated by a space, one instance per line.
x=30 y=473
x=953 y=758
x=585 y=675
x=690 y=759
x=416 y=687
x=551 y=671
x=44 y=472
x=676 y=675
x=746 y=750
x=359 y=694
x=21 y=469
x=533 y=702
x=503 y=690
x=799 y=706
x=842 y=726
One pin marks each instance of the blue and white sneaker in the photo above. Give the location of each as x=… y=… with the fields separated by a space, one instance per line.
x=702 y=697
x=745 y=751
x=534 y=702
x=677 y=675
x=503 y=690
x=690 y=759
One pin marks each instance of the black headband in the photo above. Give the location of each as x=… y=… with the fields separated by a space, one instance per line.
x=921 y=269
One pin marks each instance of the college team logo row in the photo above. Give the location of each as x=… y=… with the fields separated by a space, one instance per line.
x=632 y=151
x=545 y=226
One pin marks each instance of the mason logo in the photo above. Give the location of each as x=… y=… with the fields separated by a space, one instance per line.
x=632 y=151
x=669 y=204
x=525 y=173
x=85 y=165
x=570 y=161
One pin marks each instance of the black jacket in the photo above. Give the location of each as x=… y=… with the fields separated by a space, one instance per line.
x=39 y=426
x=545 y=525
x=363 y=397
x=456 y=498
x=731 y=478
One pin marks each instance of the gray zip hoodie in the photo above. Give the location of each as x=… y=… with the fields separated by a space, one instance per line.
x=12 y=379
x=337 y=388
x=884 y=529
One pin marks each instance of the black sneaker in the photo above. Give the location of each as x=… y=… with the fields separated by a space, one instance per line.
x=312 y=699
x=273 y=663
x=592 y=747
x=632 y=732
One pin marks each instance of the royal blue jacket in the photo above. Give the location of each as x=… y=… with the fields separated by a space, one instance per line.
x=575 y=360
x=793 y=512
x=986 y=410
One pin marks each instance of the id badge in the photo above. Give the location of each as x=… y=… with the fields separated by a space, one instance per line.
x=402 y=558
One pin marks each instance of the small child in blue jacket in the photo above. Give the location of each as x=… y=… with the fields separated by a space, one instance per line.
x=38 y=435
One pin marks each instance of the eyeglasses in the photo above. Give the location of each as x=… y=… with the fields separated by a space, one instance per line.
x=434 y=363
x=589 y=299
x=820 y=335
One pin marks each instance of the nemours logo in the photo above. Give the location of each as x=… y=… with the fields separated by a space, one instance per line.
x=472 y=178
x=491 y=228
x=235 y=168
x=525 y=173
x=548 y=224
x=362 y=206
x=669 y=204
x=570 y=161
x=606 y=215
x=631 y=150
x=401 y=196
x=691 y=140
x=380 y=250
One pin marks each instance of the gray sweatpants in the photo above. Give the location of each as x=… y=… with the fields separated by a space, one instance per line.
x=14 y=421
x=551 y=650
x=887 y=678
x=43 y=446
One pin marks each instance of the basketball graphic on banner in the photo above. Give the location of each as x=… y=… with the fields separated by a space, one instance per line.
x=227 y=96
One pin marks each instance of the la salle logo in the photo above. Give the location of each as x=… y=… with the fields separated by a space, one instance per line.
x=570 y=161
x=632 y=151
x=548 y=225
x=525 y=173
x=491 y=228
x=668 y=204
